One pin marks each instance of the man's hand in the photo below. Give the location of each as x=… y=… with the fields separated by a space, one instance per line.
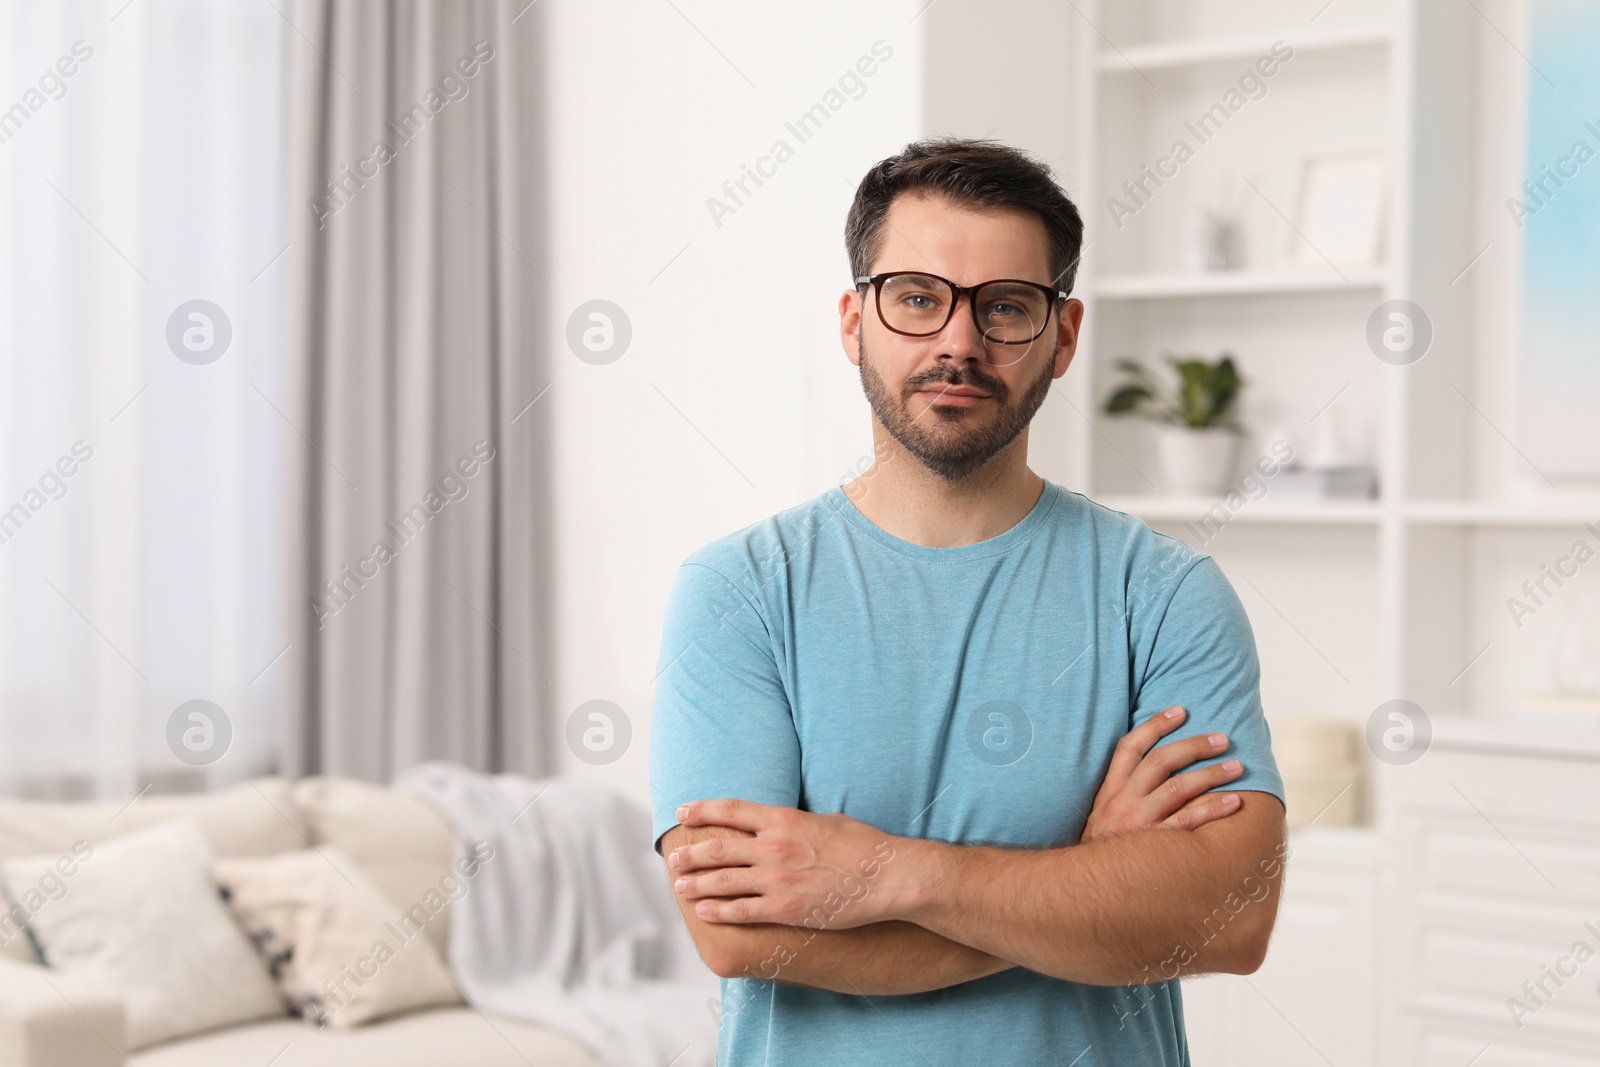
x=883 y=959
x=1142 y=789
x=800 y=868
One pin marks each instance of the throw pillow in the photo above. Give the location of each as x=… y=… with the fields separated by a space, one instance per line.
x=142 y=916
x=341 y=953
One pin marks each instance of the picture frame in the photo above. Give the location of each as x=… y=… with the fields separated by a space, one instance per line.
x=1341 y=208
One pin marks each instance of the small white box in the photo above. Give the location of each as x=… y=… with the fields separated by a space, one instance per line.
x=1325 y=483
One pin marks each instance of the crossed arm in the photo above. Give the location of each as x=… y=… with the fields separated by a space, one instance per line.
x=829 y=902
x=879 y=959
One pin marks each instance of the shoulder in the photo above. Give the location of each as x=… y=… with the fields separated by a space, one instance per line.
x=1126 y=545
x=1161 y=579
x=755 y=558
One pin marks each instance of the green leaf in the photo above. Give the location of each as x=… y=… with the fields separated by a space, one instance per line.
x=1204 y=396
x=1127 y=399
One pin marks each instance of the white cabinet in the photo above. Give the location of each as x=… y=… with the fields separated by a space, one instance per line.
x=1463 y=931
x=1491 y=932
x=1313 y=1002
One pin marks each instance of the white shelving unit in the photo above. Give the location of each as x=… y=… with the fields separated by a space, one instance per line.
x=1353 y=602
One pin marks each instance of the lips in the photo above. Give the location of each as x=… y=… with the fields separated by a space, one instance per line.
x=948 y=397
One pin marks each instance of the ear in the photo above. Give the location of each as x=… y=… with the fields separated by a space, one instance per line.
x=1067 y=326
x=850 y=324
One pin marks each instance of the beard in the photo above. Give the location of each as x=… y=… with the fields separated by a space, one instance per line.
x=953 y=442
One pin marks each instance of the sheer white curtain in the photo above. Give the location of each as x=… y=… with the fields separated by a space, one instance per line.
x=140 y=560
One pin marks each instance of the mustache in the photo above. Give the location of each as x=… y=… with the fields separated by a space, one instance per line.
x=955 y=377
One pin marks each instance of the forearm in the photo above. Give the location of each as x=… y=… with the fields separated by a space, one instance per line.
x=882 y=959
x=878 y=959
x=1139 y=907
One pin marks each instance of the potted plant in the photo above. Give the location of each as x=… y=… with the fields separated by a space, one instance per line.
x=1197 y=433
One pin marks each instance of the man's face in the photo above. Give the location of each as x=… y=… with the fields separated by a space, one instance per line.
x=920 y=388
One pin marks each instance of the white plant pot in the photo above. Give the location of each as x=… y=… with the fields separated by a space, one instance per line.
x=1196 y=462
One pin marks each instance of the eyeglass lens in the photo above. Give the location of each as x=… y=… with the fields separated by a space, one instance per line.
x=921 y=304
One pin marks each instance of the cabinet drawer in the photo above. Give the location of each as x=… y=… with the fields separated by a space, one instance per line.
x=1473 y=966
x=1429 y=1042
x=1463 y=856
x=1548 y=790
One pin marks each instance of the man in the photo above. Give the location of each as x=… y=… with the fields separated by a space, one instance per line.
x=903 y=758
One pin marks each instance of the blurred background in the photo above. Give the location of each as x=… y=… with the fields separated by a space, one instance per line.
x=368 y=370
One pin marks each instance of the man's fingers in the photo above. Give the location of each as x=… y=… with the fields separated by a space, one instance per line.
x=1173 y=795
x=741 y=910
x=739 y=814
x=1183 y=788
x=1208 y=807
x=1138 y=741
x=1167 y=760
x=713 y=852
x=726 y=882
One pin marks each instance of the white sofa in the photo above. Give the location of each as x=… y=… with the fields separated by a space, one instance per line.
x=48 y=1019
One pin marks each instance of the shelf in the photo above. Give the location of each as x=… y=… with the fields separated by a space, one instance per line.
x=1167 y=508
x=1503 y=513
x=1160 y=55
x=1179 y=285
x=1164 y=508
x=1561 y=704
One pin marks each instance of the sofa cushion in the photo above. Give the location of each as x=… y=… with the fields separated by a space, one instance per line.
x=341 y=954
x=141 y=915
x=401 y=842
x=419 y=1039
x=256 y=818
x=50 y=1019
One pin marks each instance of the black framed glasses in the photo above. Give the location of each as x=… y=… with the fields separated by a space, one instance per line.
x=1006 y=311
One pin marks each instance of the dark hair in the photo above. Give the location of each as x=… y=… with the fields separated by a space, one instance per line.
x=972 y=173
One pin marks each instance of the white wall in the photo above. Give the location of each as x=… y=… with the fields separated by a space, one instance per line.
x=733 y=400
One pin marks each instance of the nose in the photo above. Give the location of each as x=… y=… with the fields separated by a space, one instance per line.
x=960 y=338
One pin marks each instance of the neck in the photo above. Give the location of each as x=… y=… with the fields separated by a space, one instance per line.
x=905 y=499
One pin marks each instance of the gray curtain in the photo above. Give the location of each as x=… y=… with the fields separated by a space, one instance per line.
x=417 y=474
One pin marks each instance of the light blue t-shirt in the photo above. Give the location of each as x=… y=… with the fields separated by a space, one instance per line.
x=971 y=695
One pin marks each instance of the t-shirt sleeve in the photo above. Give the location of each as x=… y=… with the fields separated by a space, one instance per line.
x=721 y=724
x=1203 y=658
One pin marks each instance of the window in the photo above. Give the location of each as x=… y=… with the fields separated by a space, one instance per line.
x=141 y=171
